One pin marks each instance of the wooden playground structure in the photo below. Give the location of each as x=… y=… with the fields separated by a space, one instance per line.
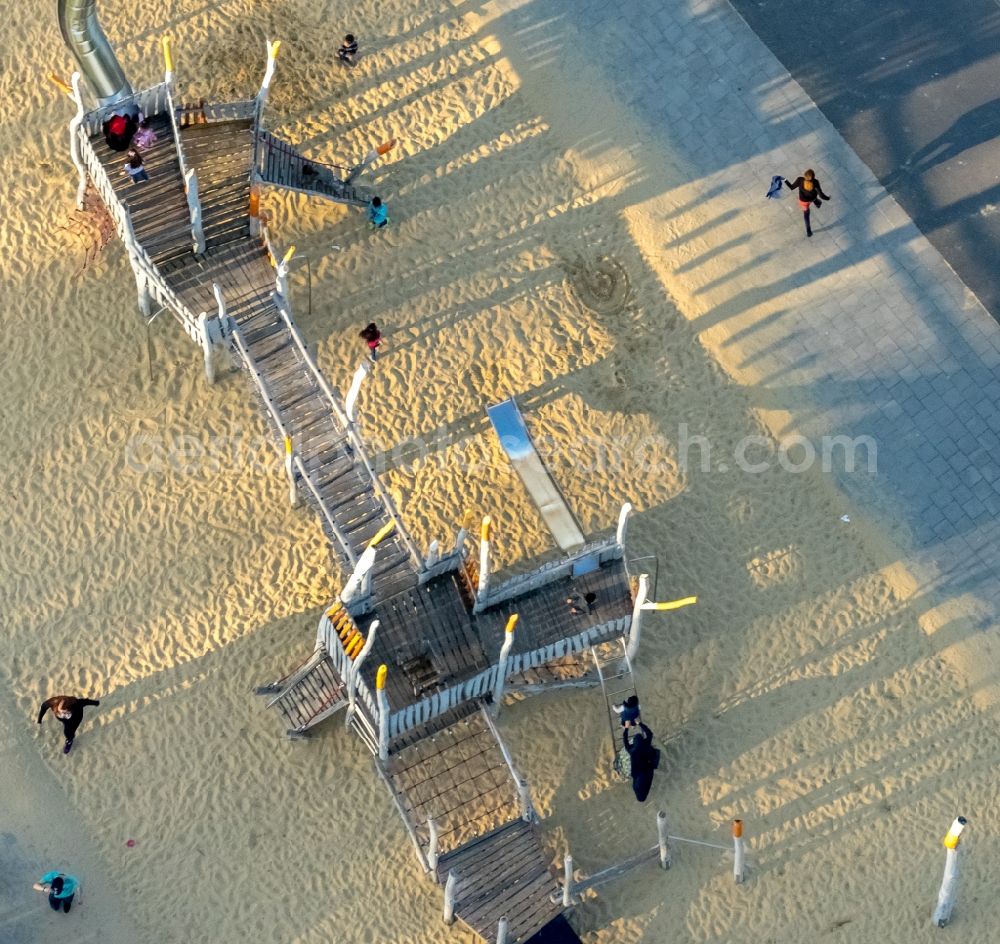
x=419 y=648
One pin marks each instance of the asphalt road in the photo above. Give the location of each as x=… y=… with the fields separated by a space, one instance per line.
x=915 y=90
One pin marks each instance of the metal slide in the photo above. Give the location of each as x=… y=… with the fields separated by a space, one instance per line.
x=86 y=40
x=516 y=442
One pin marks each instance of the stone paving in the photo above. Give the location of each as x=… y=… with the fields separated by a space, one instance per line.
x=863 y=330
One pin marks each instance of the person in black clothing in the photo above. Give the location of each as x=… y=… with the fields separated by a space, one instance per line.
x=69 y=711
x=810 y=193
x=644 y=759
x=119 y=131
x=348 y=49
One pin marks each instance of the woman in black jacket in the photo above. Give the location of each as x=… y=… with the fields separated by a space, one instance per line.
x=810 y=193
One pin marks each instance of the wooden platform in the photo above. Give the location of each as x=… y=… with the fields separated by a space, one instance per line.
x=314 y=695
x=503 y=874
x=458 y=777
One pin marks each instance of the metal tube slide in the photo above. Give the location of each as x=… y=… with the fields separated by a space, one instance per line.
x=87 y=42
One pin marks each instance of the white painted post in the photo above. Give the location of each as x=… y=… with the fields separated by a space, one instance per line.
x=460 y=540
x=355 y=669
x=194 y=211
x=272 y=54
x=383 y=714
x=132 y=248
x=739 y=869
x=281 y=276
x=524 y=796
x=351 y=403
x=74 y=144
x=432 y=847
x=369 y=159
x=502 y=930
x=623 y=517
x=567 y=890
x=293 y=492
x=485 y=534
x=633 y=633
x=449 y=898
x=206 y=349
x=661 y=833
x=508 y=642
x=433 y=555
x=949 y=883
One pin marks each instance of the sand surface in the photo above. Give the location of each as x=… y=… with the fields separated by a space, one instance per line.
x=149 y=556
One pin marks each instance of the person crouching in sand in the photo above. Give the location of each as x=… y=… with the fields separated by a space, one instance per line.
x=69 y=711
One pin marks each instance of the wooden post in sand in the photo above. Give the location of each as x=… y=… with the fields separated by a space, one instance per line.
x=663 y=839
x=567 y=889
x=739 y=868
x=132 y=248
x=433 y=555
x=949 y=883
x=485 y=535
x=432 y=847
x=633 y=633
x=502 y=927
x=74 y=142
x=293 y=492
x=623 y=517
x=194 y=211
x=524 y=797
x=383 y=712
x=281 y=276
x=449 y=897
x=206 y=349
x=508 y=642
x=272 y=55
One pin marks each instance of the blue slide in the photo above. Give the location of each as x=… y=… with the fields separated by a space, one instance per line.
x=516 y=442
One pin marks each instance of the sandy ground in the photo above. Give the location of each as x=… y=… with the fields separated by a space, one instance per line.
x=149 y=556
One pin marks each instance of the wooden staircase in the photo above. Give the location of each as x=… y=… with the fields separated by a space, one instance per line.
x=313 y=693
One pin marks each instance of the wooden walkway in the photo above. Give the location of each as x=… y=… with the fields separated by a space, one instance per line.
x=333 y=478
x=280 y=164
x=503 y=874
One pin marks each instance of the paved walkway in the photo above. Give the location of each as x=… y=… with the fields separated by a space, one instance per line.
x=863 y=330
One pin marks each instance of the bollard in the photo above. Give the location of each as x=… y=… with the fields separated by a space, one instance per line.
x=567 y=880
x=449 y=898
x=206 y=350
x=524 y=795
x=383 y=712
x=739 y=870
x=508 y=641
x=293 y=492
x=485 y=534
x=432 y=847
x=633 y=634
x=502 y=930
x=661 y=833
x=623 y=517
x=949 y=882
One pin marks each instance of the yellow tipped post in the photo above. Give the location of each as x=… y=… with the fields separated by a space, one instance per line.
x=955 y=833
x=383 y=533
x=288 y=255
x=383 y=671
x=469 y=519
x=275 y=46
x=487 y=528
x=387 y=147
x=288 y=445
x=168 y=59
x=674 y=604
x=511 y=623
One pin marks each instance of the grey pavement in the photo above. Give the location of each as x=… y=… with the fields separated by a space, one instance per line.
x=915 y=90
x=864 y=330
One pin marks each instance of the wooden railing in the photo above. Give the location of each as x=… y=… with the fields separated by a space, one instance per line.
x=118 y=211
x=603 y=550
x=149 y=101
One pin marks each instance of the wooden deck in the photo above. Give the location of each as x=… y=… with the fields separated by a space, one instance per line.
x=503 y=874
x=459 y=778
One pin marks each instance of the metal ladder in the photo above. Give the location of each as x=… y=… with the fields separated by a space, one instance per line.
x=614 y=669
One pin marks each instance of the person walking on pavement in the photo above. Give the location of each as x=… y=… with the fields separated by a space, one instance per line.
x=69 y=711
x=61 y=888
x=810 y=194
